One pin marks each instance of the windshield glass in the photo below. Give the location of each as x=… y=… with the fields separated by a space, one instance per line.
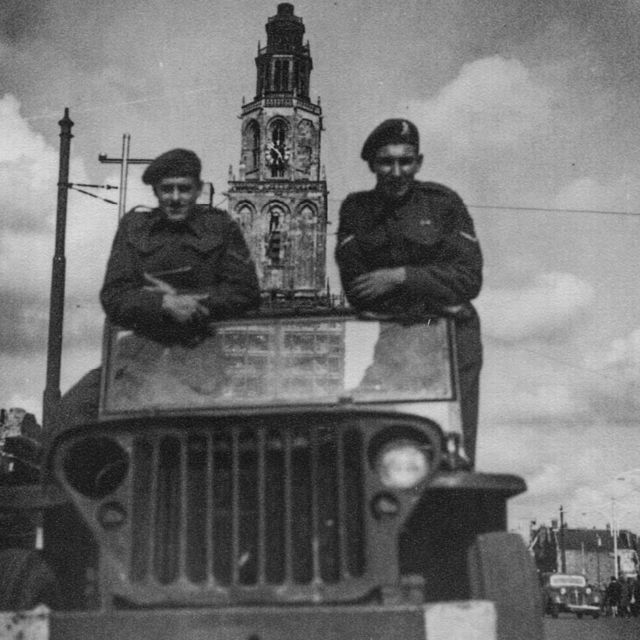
x=567 y=581
x=276 y=361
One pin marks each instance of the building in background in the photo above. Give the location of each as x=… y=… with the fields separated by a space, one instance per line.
x=17 y=422
x=279 y=196
x=589 y=552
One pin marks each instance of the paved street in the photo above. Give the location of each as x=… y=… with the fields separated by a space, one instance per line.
x=568 y=627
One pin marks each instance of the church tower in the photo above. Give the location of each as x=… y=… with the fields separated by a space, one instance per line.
x=279 y=196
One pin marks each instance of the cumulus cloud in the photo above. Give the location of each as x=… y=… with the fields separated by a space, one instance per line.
x=28 y=171
x=492 y=104
x=28 y=190
x=574 y=467
x=615 y=394
x=546 y=310
x=620 y=194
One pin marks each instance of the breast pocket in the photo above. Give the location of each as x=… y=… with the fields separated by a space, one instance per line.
x=419 y=226
x=205 y=255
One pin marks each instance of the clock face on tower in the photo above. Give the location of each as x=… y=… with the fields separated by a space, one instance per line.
x=277 y=154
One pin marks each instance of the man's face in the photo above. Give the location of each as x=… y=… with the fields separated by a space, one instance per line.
x=395 y=166
x=177 y=196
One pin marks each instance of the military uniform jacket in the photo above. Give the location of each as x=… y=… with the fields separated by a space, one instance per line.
x=205 y=254
x=429 y=232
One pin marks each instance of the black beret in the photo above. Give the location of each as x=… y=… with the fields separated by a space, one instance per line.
x=173 y=164
x=394 y=131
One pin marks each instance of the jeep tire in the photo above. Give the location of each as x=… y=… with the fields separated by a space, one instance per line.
x=501 y=570
x=27 y=580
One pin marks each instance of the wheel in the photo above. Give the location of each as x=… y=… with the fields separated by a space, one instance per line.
x=579 y=615
x=501 y=570
x=595 y=616
x=26 y=582
x=553 y=610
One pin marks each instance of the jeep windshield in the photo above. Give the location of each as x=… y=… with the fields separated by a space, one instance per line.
x=265 y=361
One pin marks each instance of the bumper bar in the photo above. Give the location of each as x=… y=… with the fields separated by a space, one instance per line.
x=472 y=620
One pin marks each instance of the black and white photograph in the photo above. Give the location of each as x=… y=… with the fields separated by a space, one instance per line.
x=320 y=319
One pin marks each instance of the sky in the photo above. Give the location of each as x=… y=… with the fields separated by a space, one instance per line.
x=530 y=111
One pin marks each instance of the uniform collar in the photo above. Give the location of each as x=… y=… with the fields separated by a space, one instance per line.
x=391 y=204
x=192 y=224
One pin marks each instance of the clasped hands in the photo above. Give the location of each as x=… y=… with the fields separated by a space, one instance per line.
x=376 y=283
x=182 y=307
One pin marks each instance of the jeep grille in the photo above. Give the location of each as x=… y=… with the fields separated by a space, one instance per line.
x=240 y=507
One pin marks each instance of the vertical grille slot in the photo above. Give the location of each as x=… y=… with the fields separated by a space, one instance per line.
x=301 y=531
x=198 y=508
x=141 y=524
x=247 y=507
x=222 y=492
x=168 y=512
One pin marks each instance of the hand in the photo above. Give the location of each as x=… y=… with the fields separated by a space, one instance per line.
x=377 y=283
x=158 y=285
x=185 y=307
x=182 y=307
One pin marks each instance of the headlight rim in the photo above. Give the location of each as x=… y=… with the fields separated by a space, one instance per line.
x=395 y=444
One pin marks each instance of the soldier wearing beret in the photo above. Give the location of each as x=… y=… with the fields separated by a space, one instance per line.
x=181 y=265
x=171 y=271
x=410 y=247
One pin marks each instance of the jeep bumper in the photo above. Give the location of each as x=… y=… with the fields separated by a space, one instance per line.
x=472 y=620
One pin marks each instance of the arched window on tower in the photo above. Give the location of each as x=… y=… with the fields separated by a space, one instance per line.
x=277 y=74
x=281 y=72
x=255 y=147
x=305 y=246
x=277 y=152
x=252 y=145
x=244 y=216
x=274 y=240
x=302 y=79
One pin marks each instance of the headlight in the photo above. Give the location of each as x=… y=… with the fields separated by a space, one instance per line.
x=563 y=591
x=588 y=590
x=96 y=466
x=402 y=465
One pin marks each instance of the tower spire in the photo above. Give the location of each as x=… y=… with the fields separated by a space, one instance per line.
x=284 y=65
x=280 y=195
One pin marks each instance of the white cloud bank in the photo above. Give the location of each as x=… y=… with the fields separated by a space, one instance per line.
x=546 y=310
x=28 y=191
x=493 y=103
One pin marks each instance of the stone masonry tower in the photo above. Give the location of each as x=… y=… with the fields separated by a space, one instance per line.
x=279 y=196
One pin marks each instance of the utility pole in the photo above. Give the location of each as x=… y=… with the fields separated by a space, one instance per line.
x=563 y=555
x=124 y=163
x=56 y=303
x=614 y=532
x=599 y=541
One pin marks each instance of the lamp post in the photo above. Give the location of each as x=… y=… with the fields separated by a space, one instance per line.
x=599 y=544
x=615 y=529
x=625 y=475
x=56 y=304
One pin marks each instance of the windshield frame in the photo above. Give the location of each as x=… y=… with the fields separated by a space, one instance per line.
x=270 y=318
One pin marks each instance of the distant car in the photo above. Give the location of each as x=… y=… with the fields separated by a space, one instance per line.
x=570 y=593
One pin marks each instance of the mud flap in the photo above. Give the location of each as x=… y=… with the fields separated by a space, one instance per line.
x=26 y=580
